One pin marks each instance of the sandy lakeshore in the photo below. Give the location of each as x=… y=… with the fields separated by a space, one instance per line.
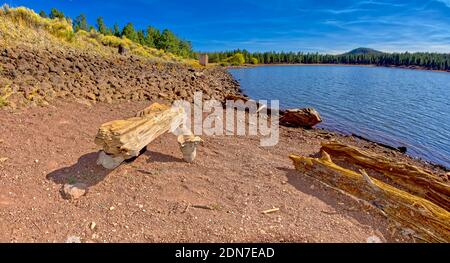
x=160 y=198
x=56 y=92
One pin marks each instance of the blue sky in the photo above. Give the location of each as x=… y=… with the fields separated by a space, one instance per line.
x=291 y=25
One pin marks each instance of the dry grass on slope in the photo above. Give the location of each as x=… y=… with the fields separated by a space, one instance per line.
x=24 y=26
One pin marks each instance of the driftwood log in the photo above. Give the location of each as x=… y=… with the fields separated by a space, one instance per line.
x=305 y=118
x=125 y=139
x=244 y=103
x=414 y=179
x=429 y=221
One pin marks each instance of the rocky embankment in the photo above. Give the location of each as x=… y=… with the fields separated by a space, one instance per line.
x=37 y=76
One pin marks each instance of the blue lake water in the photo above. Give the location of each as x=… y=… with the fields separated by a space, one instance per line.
x=398 y=107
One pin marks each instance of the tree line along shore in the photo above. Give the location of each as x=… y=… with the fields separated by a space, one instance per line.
x=360 y=56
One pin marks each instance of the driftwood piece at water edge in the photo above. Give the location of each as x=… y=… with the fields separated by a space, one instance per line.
x=248 y=104
x=305 y=118
x=412 y=178
x=429 y=221
x=125 y=139
x=401 y=149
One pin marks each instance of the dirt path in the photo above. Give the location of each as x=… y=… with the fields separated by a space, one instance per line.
x=154 y=198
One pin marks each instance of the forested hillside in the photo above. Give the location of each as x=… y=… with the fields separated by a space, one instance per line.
x=433 y=61
x=363 y=51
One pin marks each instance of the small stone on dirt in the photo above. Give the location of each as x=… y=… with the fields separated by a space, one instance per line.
x=73 y=239
x=74 y=191
x=374 y=239
x=163 y=95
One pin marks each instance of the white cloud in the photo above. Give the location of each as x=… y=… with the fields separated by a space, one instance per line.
x=446 y=2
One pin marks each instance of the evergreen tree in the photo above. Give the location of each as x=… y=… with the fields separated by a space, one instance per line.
x=129 y=32
x=43 y=14
x=55 y=13
x=168 y=41
x=116 y=30
x=140 y=35
x=80 y=23
x=101 y=27
x=152 y=37
x=185 y=49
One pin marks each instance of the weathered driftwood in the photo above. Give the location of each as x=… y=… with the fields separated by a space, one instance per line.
x=429 y=221
x=127 y=137
x=244 y=103
x=124 y=139
x=412 y=178
x=401 y=149
x=154 y=108
x=188 y=146
x=306 y=118
x=234 y=97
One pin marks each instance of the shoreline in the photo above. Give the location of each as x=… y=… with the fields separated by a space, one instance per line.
x=328 y=65
x=401 y=150
x=159 y=187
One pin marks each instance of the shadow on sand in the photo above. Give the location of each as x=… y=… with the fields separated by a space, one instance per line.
x=161 y=157
x=342 y=204
x=85 y=171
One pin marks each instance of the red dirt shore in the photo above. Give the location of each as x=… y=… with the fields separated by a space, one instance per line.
x=158 y=197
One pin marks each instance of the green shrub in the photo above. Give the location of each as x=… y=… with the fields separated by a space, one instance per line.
x=4 y=95
x=113 y=41
x=61 y=31
x=236 y=60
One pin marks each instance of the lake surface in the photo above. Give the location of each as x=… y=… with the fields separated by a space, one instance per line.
x=398 y=107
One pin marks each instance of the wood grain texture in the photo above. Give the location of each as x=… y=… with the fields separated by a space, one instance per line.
x=429 y=221
x=125 y=138
x=414 y=179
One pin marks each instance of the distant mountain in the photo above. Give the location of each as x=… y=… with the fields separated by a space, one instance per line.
x=363 y=51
